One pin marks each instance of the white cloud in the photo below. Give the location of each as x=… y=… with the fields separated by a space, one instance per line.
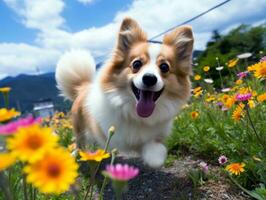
x=39 y=14
x=53 y=38
x=85 y=2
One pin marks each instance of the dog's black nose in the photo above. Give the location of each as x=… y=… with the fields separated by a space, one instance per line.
x=149 y=80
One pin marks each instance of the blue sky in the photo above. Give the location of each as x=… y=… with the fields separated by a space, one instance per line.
x=35 y=33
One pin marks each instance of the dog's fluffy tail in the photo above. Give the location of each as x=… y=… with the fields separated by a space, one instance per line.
x=74 y=69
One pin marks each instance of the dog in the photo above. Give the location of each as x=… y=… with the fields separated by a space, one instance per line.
x=139 y=90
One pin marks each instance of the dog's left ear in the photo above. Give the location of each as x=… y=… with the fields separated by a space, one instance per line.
x=130 y=33
x=182 y=40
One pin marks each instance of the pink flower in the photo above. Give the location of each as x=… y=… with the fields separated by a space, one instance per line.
x=222 y=160
x=242 y=74
x=204 y=167
x=121 y=172
x=243 y=97
x=12 y=127
x=263 y=59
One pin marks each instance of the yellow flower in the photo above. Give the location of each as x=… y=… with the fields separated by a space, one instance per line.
x=97 y=156
x=238 y=112
x=6 y=115
x=5 y=89
x=197 y=89
x=210 y=98
x=235 y=168
x=251 y=104
x=259 y=69
x=54 y=173
x=232 y=62
x=194 y=115
x=197 y=77
x=239 y=81
x=260 y=72
x=30 y=143
x=261 y=97
x=6 y=160
x=206 y=68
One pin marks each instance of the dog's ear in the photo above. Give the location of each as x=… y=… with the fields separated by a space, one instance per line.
x=129 y=33
x=182 y=40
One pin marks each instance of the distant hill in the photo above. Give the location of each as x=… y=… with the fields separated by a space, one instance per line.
x=26 y=89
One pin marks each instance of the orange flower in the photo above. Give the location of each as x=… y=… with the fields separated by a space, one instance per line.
x=97 y=156
x=261 y=97
x=235 y=168
x=238 y=112
x=194 y=115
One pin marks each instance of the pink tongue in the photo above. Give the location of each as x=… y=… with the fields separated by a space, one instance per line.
x=145 y=105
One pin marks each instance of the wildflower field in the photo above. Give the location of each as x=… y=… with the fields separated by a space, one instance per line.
x=222 y=127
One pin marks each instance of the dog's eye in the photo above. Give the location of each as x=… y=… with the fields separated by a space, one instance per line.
x=164 y=67
x=136 y=65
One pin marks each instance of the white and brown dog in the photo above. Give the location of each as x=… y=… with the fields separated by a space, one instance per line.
x=139 y=90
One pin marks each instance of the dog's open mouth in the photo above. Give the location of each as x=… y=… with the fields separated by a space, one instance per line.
x=145 y=100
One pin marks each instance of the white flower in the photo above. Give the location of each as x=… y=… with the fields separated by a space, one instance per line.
x=219 y=68
x=244 y=55
x=226 y=89
x=208 y=80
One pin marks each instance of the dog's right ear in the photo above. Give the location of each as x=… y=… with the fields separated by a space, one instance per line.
x=129 y=33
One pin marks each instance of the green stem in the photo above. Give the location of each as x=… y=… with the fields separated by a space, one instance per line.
x=222 y=83
x=4 y=186
x=25 y=188
x=250 y=193
x=105 y=178
x=254 y=129
x=90 y=187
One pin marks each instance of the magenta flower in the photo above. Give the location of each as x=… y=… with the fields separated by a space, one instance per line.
x=263 y=59
x=204 y=167
x=12 y=127
x=222 y=160
x=121 y=172
x=242 y=74
x=243 y=97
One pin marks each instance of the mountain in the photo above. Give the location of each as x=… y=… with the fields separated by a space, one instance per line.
x=27 y=89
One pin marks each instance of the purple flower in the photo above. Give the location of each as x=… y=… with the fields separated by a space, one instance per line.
x=204 y=167
x=220 y=104
x=243 y=97
x=12 y=127
x=263 y=59
x=222 y=160
x=224 y=108
x=242 y=74
x=121 y=172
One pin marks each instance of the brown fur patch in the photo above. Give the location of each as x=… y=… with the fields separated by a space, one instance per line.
x=82 y=121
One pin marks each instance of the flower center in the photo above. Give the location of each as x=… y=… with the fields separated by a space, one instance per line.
x=263 y=71
x=236 y=167
x=53 y=170
x=34 y=142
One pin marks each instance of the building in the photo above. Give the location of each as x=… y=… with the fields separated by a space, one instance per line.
x=43 y=108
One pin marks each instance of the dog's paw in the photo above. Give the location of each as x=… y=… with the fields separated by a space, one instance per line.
x=154 y=154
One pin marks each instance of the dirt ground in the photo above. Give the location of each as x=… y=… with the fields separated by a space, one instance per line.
x=173 y=183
